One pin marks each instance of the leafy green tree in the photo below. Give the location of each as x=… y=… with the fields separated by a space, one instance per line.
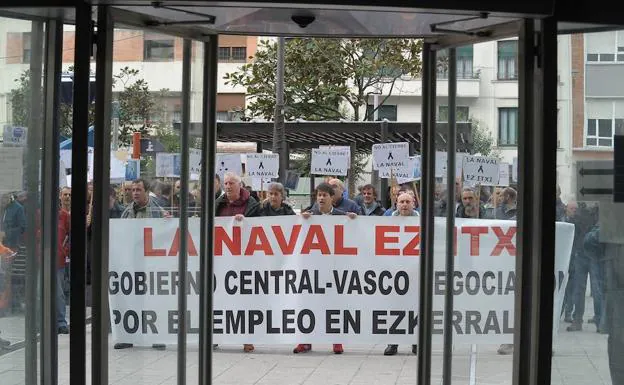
x=322 y=75
x=327 y=79
x=482 y=140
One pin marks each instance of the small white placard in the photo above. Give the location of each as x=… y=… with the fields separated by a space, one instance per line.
x=11 y=172
x=329 y=162
x=195 y=161
x=503 y=175
x=262 y=165
x=229 y=163
x=480 y=170
x=390 y=156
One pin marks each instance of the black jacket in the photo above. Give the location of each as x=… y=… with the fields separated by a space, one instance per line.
x=265 y=210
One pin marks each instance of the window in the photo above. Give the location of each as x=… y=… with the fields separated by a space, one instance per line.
x=239 y=53
x=223 y=116
x=605 y=47
x=508 y=126
x=600 y=131
x=464 y=63
x=224 y=53
x=462 y=113
x=507 y=60
x=157 y=47
x=385 y=111
x=233 y=54
x=26 y=47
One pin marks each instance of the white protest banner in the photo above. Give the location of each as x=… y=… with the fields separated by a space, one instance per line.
x=262 y=165
x=390 y=156
x=229 y=163
x=503 y=174
x=90 y=164
x=117 y=167
x=62 y=175
x=326 y=279
x=345 y=148
x=514 y=169
x=195 y=161
x=409 y=174
x=329 y=162
x=480 y=170
x=11 y=172
x=164 y=164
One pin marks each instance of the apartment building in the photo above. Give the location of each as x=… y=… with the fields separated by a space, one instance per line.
x=157 y=57
x=487 y=94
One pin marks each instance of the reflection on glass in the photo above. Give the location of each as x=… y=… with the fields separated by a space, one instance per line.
x=20 y=159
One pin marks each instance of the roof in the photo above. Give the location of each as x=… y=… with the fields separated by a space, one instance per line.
x=301 y=135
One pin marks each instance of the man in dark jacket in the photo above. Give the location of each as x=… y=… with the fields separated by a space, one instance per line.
x=369 y=203
x=507 y=209
x=13 y=223
x=324 y=198
x=470 y=206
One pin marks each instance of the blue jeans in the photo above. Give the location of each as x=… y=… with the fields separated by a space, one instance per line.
x=61 y=321
x=587 y=264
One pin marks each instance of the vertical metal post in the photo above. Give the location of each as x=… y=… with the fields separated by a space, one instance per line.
x=427 y=228
x=49 y=193
x=383 y=182
x=209 y=153
x=447 y=362
x=184 y=193
x=31 y=159
x=78 y=253
x=526 y=201
x=535 y=282
x=279 y=135
x=101 y=186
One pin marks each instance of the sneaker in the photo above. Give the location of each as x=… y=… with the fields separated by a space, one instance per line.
x=505 y=349
x=338 y=349
x=302 y=348
x=122 y=345
x=575 y=327
x=391 y=350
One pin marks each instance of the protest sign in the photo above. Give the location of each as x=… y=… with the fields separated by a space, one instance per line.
x=327 y=279
x=262 y=165
x=390 y=156
x=480 y=170
x=329 y=162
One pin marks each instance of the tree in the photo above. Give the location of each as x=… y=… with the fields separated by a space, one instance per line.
x=20 y=104
x=323 y=75
x=327 y=79
x=482 y=140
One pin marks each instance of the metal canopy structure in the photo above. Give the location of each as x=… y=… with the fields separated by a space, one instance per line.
x=301 y=135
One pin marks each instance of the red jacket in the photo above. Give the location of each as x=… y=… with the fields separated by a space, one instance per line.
x=64 y=228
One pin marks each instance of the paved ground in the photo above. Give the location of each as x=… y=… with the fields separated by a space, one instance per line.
x=580 y=359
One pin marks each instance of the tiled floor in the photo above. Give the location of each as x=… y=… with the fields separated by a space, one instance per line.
x=580 y=359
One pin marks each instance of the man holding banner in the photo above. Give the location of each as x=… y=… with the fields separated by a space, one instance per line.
x=324 y=197
x=238 y=203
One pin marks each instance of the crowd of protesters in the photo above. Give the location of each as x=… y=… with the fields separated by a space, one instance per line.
x=161 y=199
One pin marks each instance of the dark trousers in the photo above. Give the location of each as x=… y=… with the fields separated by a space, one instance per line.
x=586 y=264
x=614 y=314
